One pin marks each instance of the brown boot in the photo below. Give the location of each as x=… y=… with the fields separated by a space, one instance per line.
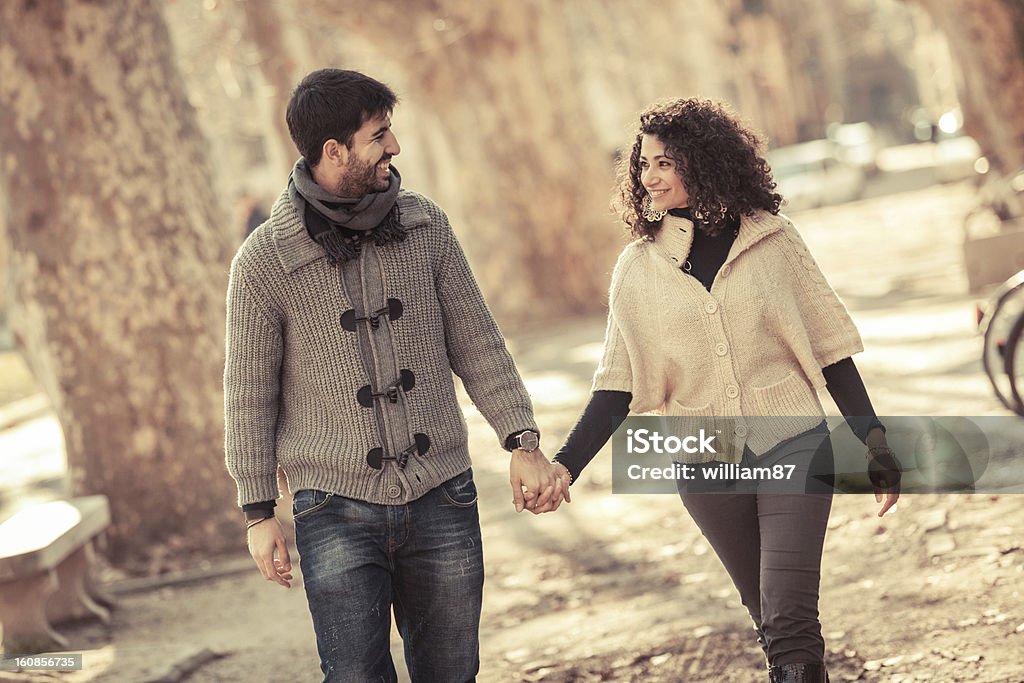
x=798 y=673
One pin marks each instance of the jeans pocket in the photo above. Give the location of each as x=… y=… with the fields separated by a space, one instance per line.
x=308 y=501
x=460 y=490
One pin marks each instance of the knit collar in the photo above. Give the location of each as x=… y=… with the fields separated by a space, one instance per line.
x=363 y=213
x=295 y=248
x=675 y=238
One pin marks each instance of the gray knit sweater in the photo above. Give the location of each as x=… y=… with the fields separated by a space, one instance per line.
x=342 y=374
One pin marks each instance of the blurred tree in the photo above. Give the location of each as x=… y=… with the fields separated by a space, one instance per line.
x=3 y=268
x=987 y=41
x=509 y=141
x=268 y=31
x=119 y=261
x=729 y=55
x=235 y=106
x=513 y=113
x=522 y=108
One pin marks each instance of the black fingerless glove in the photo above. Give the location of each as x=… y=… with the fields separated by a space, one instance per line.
x=883 y=468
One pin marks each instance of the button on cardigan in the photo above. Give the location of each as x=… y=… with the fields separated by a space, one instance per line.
x=746 y=356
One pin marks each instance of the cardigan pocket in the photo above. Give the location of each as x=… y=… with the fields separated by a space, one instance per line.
x=704 y=425
x=782 y=410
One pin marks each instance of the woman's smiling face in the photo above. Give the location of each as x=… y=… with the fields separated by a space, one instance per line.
x=659 y=176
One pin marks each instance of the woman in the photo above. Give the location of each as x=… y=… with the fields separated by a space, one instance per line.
x=716 y=311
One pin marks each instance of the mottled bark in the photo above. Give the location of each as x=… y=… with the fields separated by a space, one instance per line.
x=267 y=30
x=522 y=107
x=987 y=41
x=814 y=59
x=767 y=94
x=119 y=256
x=3 y=266
x=512 y=148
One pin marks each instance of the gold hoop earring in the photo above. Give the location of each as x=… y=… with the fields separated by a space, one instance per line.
x=650 y=215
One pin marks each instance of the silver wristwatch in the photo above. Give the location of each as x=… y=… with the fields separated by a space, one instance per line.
x=526 y=440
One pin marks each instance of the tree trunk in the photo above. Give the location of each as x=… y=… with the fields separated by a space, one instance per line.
x=522 y=107
x=987 y=40
x=510 y=144
x=279 y=68
x=119 y=256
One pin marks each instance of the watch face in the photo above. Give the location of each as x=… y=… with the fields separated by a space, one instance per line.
x=529 y=441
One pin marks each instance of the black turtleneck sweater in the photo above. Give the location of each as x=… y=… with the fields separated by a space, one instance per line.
x=607 y=409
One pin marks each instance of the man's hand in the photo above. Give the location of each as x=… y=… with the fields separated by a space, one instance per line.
x=265 y=540
x=532 y=471
x=561 y=492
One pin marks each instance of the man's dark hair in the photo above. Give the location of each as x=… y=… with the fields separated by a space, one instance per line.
x=332 y=104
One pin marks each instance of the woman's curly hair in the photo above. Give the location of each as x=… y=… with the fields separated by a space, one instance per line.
x=718 y=159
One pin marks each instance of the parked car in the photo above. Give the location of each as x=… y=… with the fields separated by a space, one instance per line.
x=956 y=158
x=856 y=144
x=810 y=174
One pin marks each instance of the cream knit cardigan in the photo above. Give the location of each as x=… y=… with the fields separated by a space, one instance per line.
x=744 y=359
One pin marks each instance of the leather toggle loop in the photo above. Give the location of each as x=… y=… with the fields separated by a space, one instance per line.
x=365 y=396
x=393 y=309
x=348 y=320
x=402 y=459
x=420 y=445
x=406 y=381
x=375 y=458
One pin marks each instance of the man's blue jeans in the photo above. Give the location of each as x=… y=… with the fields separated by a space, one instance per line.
x=425 y=558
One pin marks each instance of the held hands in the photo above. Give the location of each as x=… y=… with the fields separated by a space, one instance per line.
x=265 y=539
x=560 y=493
x=537 y=484
x=883 y=470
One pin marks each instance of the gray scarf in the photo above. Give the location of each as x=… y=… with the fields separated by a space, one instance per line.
x=339 y=224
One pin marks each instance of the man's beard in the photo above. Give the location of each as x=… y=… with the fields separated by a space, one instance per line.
x=360 y=179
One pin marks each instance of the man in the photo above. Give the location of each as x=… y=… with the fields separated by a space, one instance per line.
x=348 y=311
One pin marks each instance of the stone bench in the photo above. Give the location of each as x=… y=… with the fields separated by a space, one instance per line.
x=45 y=557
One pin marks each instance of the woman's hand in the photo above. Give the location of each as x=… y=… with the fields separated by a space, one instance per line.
x=532 y=479
x=883 y=470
